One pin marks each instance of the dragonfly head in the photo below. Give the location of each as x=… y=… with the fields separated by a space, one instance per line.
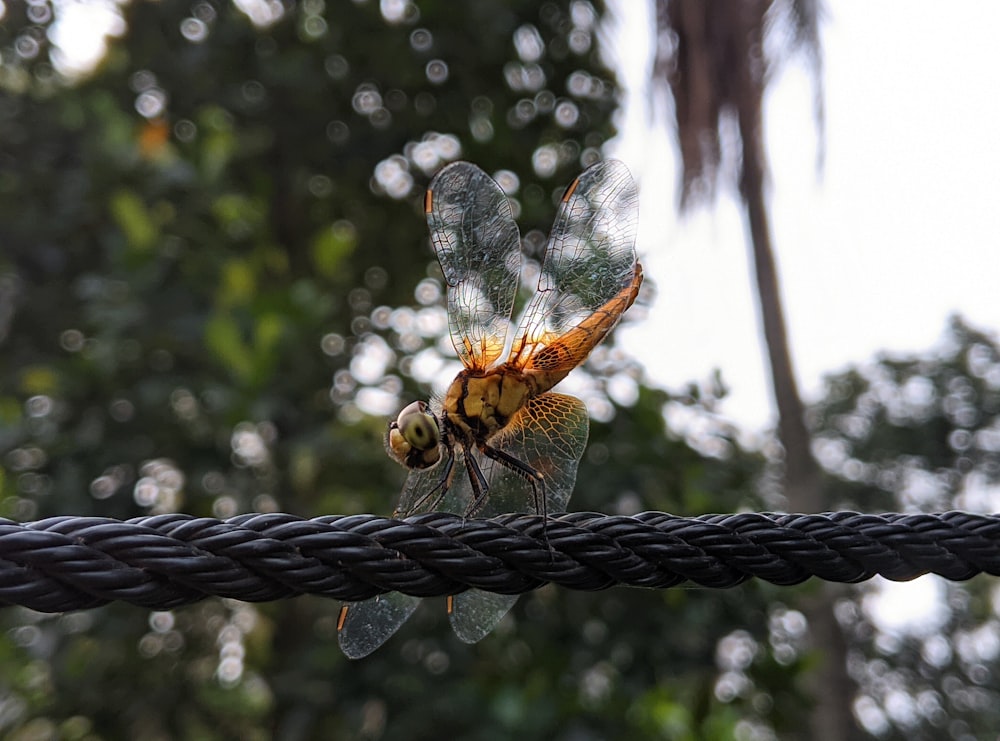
x=414 y=438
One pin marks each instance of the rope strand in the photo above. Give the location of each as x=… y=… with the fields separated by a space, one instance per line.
x=163 y=561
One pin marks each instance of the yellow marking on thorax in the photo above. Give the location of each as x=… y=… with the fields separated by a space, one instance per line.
x=481 y=405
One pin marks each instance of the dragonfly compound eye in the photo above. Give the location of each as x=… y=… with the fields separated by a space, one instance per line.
x=420 y=431
x=414 y=438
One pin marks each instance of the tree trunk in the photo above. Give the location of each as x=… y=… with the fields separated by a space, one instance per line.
x=715 y=63
x=830 y=685
x=802 y=478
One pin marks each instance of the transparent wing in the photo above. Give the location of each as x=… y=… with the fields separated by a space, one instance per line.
x=550 y=435
x=479 y=248
x=364 y=626
x=589 y=261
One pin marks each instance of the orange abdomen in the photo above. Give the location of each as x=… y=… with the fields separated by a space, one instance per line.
x=553 y=363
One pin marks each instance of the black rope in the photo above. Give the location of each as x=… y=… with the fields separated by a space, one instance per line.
x=72 y=563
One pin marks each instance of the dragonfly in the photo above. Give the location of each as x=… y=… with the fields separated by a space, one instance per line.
x=499 y=438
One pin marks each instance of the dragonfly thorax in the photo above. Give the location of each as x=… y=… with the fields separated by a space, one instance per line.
x=478 y=404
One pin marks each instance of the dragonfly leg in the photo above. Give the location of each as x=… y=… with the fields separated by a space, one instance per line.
x=522 y=469
x=480 y=487
x=435 y=495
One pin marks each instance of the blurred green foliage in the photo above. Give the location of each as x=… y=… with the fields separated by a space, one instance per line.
x=215 y=284
x=921 y=433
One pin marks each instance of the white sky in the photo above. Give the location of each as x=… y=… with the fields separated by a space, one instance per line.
x=899 y=230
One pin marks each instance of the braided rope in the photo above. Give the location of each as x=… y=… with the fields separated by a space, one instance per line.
x=163 y=561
